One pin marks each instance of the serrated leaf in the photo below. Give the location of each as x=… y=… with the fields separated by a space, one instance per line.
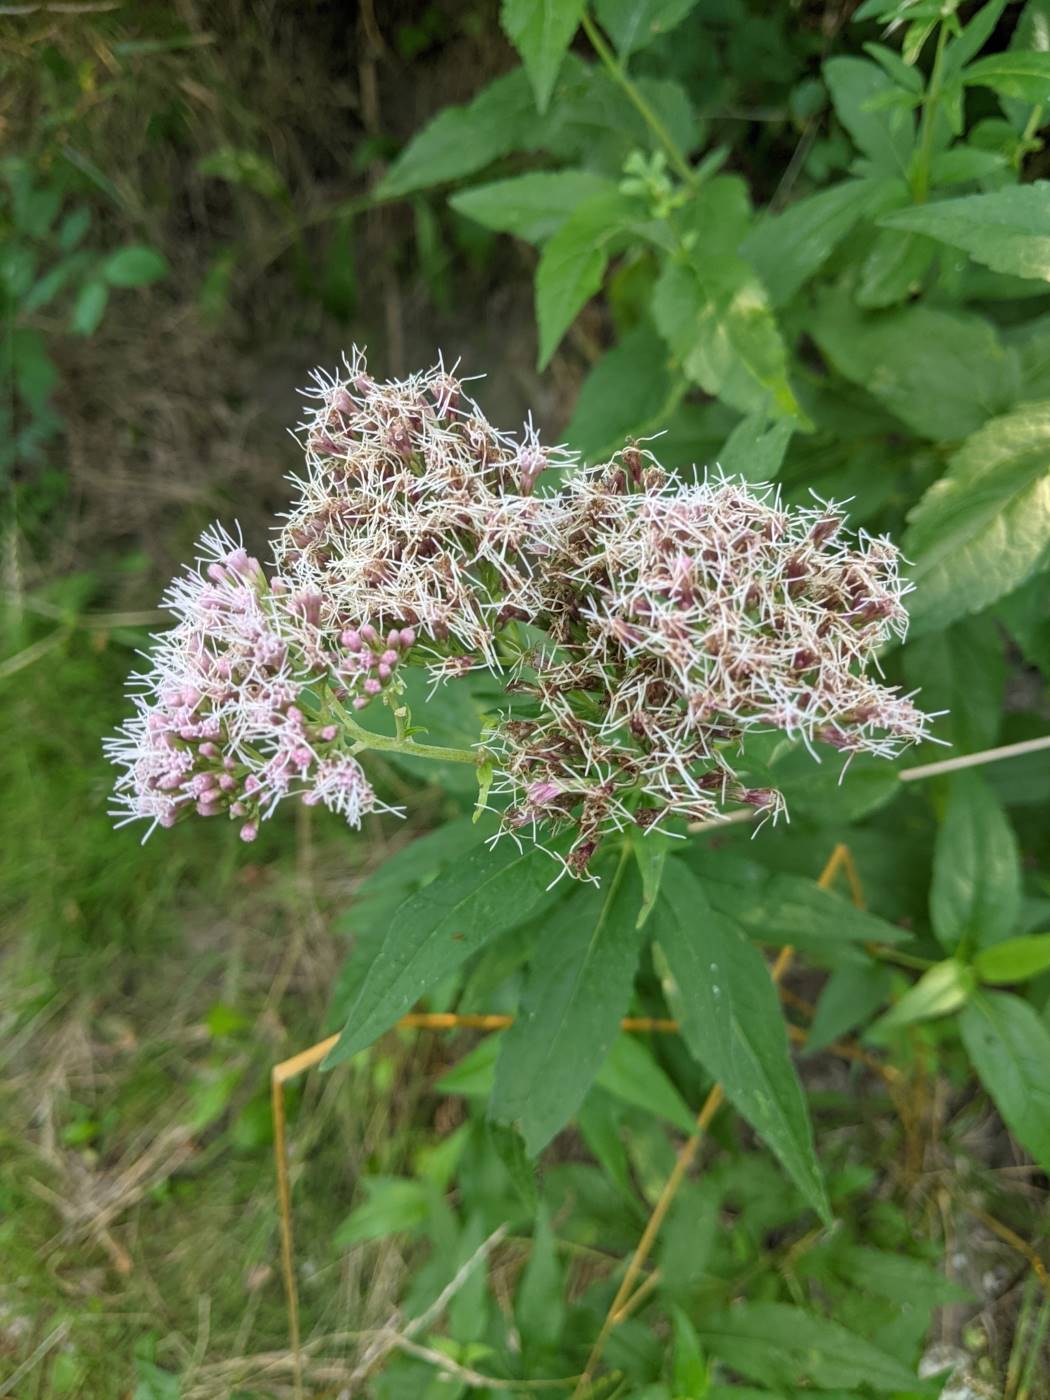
x=885 y=135
x=435 y=931
x=975 y=897
x=787 y=249
x=942 y=373
x=532 y=206
x=780 y=1345
x=135 y=266
x=634 y=24
x=541 y=31
x=984 y=528
x=624 y=395
x=1014 y=960
x=578 y=988
x=1008 y=230
x=714 y=313
x=460 y=140
x=719 y=987
x=1009 y=1045
x=572 y=266
x=378 y=897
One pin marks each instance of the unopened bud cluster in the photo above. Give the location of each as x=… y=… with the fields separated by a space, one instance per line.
x=644 y=626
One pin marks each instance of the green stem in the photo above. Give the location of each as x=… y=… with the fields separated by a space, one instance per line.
x=894 y=955
x=920 y=184
x=388 y=743
x=655 y=124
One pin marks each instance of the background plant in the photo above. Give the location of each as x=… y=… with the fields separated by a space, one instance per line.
x=789 y=284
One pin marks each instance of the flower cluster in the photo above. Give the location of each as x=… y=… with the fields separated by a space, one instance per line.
x=644 y=625
x=227 y=720
x=681 y=618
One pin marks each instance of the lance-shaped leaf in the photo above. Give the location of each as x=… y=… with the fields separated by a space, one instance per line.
x=578 y=988
x=1009 y=1045
x=779 y=1345
x=436 y=930
x=975 y=897
x=532 y=206
x=719 y=987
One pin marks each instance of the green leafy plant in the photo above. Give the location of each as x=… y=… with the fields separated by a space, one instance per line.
x=877 y=327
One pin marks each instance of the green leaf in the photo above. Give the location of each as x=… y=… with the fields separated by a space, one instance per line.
x=135 y=266
x=894 y=268
x=380 y=894
x=886 y=135
x=248 y=169
x=633 y=24
x=531 y=206
x=1009 y=1046
x=541 y=31
x=1008 y=230
x=394 y=1204
x=851 y=995
x=578 y=988
x=572 y=266
x=962 y=670
x=942 y=988
x=793 y=909
x=754 y=450
x=984 y=527
x=787 y=249
x=539 y=1305
x=35 y=372
x=715 y=314
x=975 y=897
x=461 y=140
x=719 y=987
x=779 y=1345
x=436 y=930
x=89 y=308
x=631 y=1074
x=688 y=1369
x=942 y=373
x=1017 y=73
x=1014 y=960
x=650 y=850
x=624 y=395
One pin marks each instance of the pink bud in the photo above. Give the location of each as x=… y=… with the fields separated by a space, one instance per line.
x=227 y=782
x=329 y=732
x=372 y=686
x=360 y=702
x=408 y=637
x=249 y=831
x=384 y=671
x=209 y=750
x=393 y=636
x=369 y=633
x=351 y=639
x=390 y=658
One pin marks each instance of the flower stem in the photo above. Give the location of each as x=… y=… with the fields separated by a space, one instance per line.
x=388 y=743
x=652 y=120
